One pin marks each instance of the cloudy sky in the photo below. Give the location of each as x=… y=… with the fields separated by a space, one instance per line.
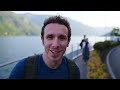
x=91 y=18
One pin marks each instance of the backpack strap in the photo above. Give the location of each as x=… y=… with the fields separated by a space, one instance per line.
x=30 y=67
x=72 y=69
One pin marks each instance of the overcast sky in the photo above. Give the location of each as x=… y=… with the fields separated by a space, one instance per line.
x=91 y=18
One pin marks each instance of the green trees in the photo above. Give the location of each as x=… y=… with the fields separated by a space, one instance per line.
x=14 y=25
x=115 y=32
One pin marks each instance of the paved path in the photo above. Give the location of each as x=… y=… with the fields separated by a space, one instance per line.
x=83 y=67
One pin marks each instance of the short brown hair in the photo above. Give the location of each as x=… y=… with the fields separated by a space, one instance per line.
x=57 y=19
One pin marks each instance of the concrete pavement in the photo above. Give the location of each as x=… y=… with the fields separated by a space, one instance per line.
x=113 y=62
x=82 y=66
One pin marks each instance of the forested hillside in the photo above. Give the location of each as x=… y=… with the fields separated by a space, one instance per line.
x=12 y=24
x=77 y=27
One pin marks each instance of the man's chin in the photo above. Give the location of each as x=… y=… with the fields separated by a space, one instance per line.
x=56 y=58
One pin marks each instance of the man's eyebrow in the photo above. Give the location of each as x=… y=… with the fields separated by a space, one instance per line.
x=62 y=35
x=49 y=34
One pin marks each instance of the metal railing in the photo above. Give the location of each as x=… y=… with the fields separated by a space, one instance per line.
x=71 y=53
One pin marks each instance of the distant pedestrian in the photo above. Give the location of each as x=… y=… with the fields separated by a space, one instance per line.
x=82 y=44
x=86 y=51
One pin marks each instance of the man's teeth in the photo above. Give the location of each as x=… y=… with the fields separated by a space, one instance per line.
x=55 y=51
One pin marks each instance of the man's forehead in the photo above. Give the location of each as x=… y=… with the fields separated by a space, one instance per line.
x=55 y=26
x=56 y=29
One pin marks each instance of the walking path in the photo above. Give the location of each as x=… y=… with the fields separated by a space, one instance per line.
x=82 y=66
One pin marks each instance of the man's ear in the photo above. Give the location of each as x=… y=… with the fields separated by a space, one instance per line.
x=42 y=38
x=68 y=42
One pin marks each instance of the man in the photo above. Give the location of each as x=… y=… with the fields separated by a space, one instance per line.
x=86 y=51
x=82 y=43
x=51 y=64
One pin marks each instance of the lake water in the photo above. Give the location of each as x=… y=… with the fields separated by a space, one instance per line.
x=15 y=48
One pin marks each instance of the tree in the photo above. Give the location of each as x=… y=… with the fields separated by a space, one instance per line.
x=115 y=32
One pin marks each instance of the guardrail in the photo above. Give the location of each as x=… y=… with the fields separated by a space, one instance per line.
x=72 y=52
x=75 y=52
x=7 y=63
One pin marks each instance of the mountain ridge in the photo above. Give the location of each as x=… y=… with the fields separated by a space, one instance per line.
x=12 y=24
x=77 y=27
x=31 y=24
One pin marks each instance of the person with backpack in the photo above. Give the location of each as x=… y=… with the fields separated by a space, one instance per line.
x=82 y=43
x=86 y=51
x=51 y=64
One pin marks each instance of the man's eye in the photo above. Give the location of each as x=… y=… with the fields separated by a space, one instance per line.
x=62 y=38
x=50 y=37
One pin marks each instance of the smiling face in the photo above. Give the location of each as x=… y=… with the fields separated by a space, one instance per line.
x=55 y=41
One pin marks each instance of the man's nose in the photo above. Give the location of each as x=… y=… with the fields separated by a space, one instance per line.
x=55 y=43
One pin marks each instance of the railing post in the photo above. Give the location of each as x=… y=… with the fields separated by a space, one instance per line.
x=65 y=53
x=72 y=50
x=77 y=49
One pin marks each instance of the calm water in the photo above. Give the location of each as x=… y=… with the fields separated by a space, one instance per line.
x=16 y=48
x=12 y=48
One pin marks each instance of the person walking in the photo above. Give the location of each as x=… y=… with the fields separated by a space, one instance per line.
x=86 y=51
x=82 y=44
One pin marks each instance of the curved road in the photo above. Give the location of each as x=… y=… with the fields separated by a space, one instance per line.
x=113 y=62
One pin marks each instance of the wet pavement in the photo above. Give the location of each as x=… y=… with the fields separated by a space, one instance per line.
x=82 y=66
x=113 y=62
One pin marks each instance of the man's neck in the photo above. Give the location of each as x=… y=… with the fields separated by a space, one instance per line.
x=53 y=64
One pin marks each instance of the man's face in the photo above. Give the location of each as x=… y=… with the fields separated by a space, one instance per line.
x=55 y=41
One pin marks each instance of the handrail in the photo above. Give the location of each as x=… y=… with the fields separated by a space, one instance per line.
x=74 y=53
x=7 y=63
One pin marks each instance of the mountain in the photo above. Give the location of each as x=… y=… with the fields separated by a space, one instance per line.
x=37 y=19
x=13 y=24
x=77 y=27
x=103 y=31
x=31 y=24
x=80 y=29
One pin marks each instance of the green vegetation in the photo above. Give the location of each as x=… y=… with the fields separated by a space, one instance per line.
x=97 y=68
x=115 y=32
x=104 y=47
x=12 y=24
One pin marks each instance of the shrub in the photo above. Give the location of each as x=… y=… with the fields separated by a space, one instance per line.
x=107 y=44
x=99 y=46
x=97 y=69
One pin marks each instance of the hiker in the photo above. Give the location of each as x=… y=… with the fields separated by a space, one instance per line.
x=51 y=64
x=86 y=51
x=82 y=43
